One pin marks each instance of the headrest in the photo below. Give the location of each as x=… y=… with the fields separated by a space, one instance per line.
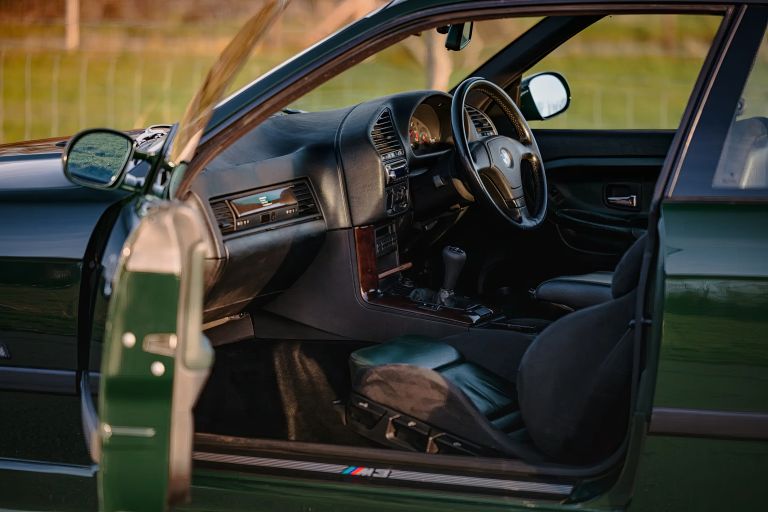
x=627 y=272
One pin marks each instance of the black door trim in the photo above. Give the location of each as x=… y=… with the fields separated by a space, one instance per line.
x=39 y=380
x=709 y=423
x=50 y=468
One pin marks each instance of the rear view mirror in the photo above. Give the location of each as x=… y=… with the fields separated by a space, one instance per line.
x=98 y=158
x=544 y=95
x=459 y=36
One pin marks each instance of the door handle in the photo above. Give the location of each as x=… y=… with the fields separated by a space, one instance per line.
x=629 y=201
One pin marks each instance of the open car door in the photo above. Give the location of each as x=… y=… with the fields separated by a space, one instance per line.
x=154 y=365
x=155 y=358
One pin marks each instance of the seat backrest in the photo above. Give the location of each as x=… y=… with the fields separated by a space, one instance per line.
x=573 y=382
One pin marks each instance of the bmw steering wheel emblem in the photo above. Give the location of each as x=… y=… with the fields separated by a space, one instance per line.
x=506 y=157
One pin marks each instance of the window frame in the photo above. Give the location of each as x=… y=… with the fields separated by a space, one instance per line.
x=703 y=10
x=704 y=141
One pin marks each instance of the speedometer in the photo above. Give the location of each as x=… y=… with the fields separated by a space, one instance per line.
x=424 y=129
x=419 y=134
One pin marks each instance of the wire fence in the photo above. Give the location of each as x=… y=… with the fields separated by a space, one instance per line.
x=130 y=73
x=47 y=94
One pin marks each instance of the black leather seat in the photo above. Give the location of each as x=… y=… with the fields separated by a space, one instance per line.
x=561 y=396
x=570 y=293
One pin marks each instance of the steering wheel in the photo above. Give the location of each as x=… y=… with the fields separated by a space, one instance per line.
x=505 y=173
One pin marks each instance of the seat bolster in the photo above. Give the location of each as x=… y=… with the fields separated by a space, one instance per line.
x=437 y=401
x=576 y=292
x=573 y=382
x=491 y=395
x=412 y=350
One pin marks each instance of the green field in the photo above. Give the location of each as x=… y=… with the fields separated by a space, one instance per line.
x=625 y=72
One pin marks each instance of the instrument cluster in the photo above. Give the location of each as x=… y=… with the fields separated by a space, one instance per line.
x=424 y=131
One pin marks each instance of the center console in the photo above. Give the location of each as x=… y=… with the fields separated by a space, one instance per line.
x=382 y=283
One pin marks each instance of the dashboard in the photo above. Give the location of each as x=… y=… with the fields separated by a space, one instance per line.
x=273 y=195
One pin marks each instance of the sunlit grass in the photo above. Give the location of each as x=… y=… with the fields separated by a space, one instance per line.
x=133 y=76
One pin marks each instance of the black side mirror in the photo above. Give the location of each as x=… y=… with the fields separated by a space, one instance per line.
x=98 y=158
x=544 y=95
x=459 y=36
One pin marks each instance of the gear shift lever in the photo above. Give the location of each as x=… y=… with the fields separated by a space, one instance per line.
x=453 y=259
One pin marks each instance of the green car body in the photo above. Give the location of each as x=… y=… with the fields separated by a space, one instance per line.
x=698 y=434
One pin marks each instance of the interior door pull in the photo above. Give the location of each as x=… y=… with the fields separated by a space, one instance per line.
x=629 y=201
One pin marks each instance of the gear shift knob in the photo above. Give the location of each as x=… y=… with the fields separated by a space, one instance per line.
x=453 y=259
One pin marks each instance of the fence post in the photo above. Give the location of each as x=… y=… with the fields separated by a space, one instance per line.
x=55 y=96
x=167 y=86
x=630 y=108
x=138 y=78
x=83 y=93
x=27 y=97
x=72 y=25
x=2 y=93
x=597 y=108
x=111 y=92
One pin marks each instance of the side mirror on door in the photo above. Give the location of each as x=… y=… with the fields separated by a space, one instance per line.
x=98 y=158
x=544 y=95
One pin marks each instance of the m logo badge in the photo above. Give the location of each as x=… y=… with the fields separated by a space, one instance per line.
x=370 y=472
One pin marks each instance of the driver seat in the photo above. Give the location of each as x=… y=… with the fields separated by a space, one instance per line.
x=566 y=401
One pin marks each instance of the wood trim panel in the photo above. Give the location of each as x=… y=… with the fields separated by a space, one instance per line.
x=368 y=276
x=365 y=246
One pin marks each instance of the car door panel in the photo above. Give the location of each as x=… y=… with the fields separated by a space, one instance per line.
x=155 y=363
x=707 y=447
x=709 y=416
x=600 y=185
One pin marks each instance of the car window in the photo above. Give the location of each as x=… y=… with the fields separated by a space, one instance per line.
x=420 y=61
x=743 y=163
x=631 y=71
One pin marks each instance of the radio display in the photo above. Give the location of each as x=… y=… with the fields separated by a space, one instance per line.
x=264 y=201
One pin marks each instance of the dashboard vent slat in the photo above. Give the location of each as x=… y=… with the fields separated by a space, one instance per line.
x=481 y=121
x=305 y=199
x=224 y=216
x=385 y=137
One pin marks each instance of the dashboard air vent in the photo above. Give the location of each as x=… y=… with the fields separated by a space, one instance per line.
x=481 y=121
x=224 y=216
x=304 y=198
x=278 y=205
x=385 y=138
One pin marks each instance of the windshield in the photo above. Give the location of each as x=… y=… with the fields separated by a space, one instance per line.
x=420 y=61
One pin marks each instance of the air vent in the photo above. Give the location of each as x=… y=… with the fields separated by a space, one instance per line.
x=385 y=138
x=482 y=124
x=265 y=207
x=305 y=199
x=224 y=216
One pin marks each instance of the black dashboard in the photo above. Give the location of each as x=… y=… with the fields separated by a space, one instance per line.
x=272 y=196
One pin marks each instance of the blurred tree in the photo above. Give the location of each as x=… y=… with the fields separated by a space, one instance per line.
x=437 y=61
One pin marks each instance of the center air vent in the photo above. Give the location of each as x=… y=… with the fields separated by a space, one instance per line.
x=482 y=123
x=224 y=216
x=385 y=138
x=276 y=206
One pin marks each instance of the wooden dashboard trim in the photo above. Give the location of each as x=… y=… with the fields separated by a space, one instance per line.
x=368 y=276
x=365 y=246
